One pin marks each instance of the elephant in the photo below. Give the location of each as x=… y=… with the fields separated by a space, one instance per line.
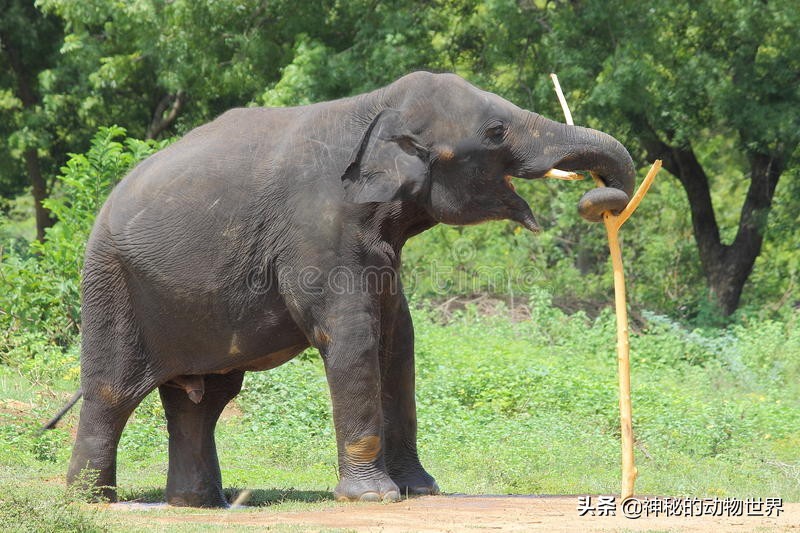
x=271 y=230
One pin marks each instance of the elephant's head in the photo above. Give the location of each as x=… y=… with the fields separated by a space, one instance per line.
x=452 y=148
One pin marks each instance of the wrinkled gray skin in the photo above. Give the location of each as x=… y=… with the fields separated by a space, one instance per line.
x=270 y=230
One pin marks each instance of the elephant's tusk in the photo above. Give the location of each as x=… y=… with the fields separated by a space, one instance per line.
x=563 y=175
x=561 y=99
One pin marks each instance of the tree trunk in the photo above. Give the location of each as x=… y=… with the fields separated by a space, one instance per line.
x=738 y=258
x=29 y=99
x=726 y=266
x=159 y=123
x=39 y=190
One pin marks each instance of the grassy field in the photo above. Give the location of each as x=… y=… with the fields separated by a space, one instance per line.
x=526 y=407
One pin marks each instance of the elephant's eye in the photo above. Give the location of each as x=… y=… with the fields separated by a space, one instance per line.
x=496 y=133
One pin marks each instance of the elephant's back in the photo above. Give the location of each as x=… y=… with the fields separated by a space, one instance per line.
x=261 y=162
x=228 y=157
x=230 y=196
x=181 y=229
x=181 y=218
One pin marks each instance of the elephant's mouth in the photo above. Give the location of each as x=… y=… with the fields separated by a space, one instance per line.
x=520 y=210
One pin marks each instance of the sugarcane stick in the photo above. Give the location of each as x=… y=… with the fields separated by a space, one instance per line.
x=613 y=223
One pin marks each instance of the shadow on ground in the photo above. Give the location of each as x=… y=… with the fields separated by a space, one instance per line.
x=258 y=497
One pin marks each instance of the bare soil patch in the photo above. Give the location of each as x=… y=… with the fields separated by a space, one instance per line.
x=15 y=407
x=466 y=513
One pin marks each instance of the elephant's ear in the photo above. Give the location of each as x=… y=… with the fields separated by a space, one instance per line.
x=390 y=163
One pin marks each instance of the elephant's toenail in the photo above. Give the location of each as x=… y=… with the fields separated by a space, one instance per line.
x=391 y=496
x=370 y=497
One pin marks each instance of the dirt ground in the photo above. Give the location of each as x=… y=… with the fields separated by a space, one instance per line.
x=467 y=513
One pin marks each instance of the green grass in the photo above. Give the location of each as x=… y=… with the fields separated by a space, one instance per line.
x=527 y=407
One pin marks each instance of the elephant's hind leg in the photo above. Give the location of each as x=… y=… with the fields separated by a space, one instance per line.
x=93 y=466
x=115 y=374
x=194 y=478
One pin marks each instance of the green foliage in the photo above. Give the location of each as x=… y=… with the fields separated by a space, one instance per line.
x=18 y=227
x=303 y=79
x=714 y=76
x=23 y=509
x=40 y=283
x=147 y=431
x=29 y=43
x=522 y=407
x=271 y=405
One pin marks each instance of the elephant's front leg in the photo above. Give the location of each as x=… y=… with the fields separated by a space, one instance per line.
x=399 y=404
x=353 y=371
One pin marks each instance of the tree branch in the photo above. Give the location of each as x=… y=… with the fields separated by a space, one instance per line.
x=683 y=164
x=173 y=102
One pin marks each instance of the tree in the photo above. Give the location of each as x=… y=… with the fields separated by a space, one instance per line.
x=707 y=86
x=679 y=78
x=29 y=44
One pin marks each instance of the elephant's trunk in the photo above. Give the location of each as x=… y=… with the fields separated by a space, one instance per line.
x=552 y=145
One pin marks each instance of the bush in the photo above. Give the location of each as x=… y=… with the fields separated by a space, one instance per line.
x=23 y=509
x=40 y=283
x=532 y=406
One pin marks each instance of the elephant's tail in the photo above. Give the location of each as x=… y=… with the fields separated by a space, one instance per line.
x=53 y=421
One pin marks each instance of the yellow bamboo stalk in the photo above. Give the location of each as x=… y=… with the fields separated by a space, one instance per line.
x=613 y=223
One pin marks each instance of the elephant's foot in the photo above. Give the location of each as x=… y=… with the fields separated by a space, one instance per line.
x=212 y=497
x=408 y=473
x=415 y=482
x=93 y=468
x=84 y=486
x=90 y=483
x=381 y=489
